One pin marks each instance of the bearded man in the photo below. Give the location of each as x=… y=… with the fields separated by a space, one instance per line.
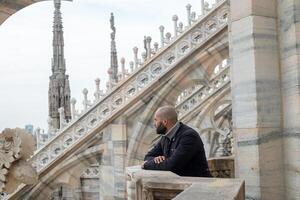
x=180 y=148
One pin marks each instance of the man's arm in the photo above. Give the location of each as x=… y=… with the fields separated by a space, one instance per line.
x=182 y=155
x=154 y=152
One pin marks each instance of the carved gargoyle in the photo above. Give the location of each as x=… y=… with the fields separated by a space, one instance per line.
x=16 y=147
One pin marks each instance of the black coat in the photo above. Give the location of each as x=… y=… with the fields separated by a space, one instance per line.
x=184 y=154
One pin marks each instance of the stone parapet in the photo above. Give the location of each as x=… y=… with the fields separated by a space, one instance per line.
x=147 y=184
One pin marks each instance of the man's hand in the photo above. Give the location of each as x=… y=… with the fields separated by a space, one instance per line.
x=142 y=165
x=159 y=159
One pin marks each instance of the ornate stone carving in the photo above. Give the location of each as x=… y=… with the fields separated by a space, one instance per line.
x=16 y=146
x=91 y=172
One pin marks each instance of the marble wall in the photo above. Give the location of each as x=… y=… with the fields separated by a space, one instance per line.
x=264 y=49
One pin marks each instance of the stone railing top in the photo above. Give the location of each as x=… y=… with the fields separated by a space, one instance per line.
x=150 y=183
x=135 y=173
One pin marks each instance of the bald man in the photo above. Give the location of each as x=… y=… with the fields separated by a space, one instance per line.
x=180 y=148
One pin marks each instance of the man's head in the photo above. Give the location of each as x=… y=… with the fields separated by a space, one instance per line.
x=165 y=118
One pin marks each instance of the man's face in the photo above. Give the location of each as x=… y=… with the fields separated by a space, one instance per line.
x=160 y=125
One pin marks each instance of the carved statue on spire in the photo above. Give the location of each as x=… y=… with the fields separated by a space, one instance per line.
x=112 y=26
x=113 y=71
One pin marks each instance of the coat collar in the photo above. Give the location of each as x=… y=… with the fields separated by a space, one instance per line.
x=172 y=132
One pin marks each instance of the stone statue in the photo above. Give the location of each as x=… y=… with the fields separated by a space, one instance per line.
x=112 y=26
x=16 y=146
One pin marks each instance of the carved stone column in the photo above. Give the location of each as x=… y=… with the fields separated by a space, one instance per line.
x=256 y=97
x=289 y=29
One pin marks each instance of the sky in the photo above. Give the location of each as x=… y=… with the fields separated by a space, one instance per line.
x=26 y=49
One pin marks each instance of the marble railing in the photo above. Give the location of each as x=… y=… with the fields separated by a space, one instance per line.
x=150 y=185
x=127 y=90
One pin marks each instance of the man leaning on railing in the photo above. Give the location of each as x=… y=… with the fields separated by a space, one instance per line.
x=180 y=148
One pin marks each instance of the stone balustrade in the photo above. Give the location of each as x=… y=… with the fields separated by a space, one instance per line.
x=221 y=167
x=150 y=185
x=112 y=104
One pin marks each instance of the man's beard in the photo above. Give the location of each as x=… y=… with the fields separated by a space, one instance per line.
x=161 y=129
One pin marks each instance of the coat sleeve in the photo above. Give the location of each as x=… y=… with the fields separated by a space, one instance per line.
x=181 y=156
x=154 y=152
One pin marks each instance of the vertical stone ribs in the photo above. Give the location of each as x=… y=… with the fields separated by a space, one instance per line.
x=59 y=88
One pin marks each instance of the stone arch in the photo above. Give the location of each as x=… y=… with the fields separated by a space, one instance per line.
x=74 y=165
x=208 y=111
x=211 y=130
x=140 y=140
x=8 y=8
x=201 y=72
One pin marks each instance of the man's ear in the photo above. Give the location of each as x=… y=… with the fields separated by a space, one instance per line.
x=165 y=122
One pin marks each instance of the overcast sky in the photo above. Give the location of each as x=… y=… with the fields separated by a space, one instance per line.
x=26 y=49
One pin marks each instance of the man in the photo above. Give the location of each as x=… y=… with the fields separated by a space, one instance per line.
x=180 y=148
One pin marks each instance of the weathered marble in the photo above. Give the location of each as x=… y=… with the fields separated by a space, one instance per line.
x=289 y=29
x=256 y=97
x=166 y=185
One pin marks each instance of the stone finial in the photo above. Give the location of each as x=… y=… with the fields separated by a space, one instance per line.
x=155 y=47
x=73 y=108
x=162 y=38
x=180 y=27
x=136 y=59
x=168 y=37
x=175 y=20
x=188 y=9
x=193 y=16
x=86 y=102
x=148 y=39
x=85 y=92
x=98 y=93
x=97 y=80
x=161 y=28
x=144 y=56
x=123 y=61
x=135 y=50
x=188 y=6
x=148 y=46
x=123 y=68
x=202 y=7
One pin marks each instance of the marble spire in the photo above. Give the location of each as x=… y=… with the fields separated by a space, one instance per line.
x=59 y=88
x=113 y=71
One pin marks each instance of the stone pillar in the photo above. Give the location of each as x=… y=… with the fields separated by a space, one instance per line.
x=256 y=97
x=112 y=168
x=289 y=28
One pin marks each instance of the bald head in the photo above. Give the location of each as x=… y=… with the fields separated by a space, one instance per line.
x=166 y=113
